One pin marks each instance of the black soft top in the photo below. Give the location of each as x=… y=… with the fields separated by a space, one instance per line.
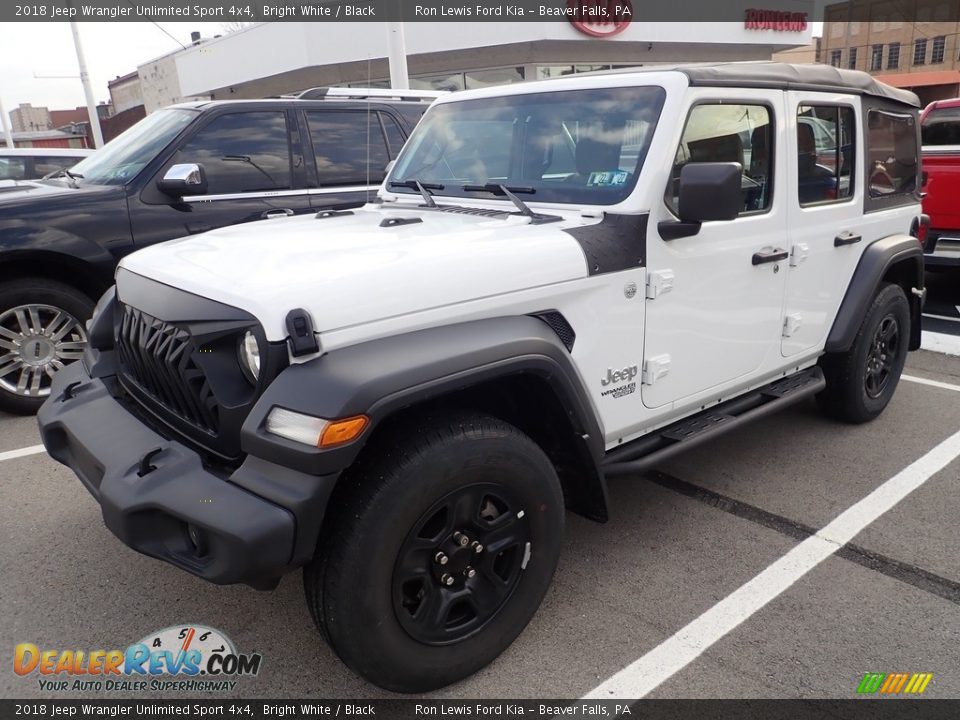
x=783 y=76
x=795 y=77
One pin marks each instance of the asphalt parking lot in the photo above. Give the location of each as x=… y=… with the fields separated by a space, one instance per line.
x=942 y=309
x=680 y=541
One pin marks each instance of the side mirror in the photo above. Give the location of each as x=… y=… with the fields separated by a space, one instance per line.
x=389 y=167
x=710 y=191
x=183 y=179
x=707 y=191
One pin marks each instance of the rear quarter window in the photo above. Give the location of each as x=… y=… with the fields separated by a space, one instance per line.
x=892 y=154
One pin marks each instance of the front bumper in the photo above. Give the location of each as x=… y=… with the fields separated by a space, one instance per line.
x=253 y=525
x=946 y=251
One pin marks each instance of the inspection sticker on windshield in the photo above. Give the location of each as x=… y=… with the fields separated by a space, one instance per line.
x=608 y=178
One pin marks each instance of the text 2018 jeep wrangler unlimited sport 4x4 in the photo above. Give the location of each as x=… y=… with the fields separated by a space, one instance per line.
x=564 y=281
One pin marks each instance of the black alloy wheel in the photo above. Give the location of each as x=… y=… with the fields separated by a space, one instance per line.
x=882 y=356
x=460 y=563
x=437 y=548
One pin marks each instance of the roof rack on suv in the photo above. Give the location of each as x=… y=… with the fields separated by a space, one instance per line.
x=340 y=93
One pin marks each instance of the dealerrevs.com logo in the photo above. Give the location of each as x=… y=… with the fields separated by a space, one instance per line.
x=185 y=658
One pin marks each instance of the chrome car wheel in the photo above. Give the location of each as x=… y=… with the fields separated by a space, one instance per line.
x=36 y=341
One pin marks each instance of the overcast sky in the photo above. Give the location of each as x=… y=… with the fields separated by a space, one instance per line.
x=28 y=50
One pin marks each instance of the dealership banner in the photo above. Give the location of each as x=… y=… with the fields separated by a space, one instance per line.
x=763 y=15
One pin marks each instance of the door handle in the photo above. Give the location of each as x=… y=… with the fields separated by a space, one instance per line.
x=279 y=212
x=775 y=255
x=846 y=238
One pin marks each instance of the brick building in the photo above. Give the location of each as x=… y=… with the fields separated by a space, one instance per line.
x=908 y=46
x=27 y=118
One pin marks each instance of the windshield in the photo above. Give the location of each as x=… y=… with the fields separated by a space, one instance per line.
x=575 y=146
x=942 y=127
x=121 y=159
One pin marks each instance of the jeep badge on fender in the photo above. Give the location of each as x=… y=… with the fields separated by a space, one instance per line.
x=615 y=376
x=414 y=450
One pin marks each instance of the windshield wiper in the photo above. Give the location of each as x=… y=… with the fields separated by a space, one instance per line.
x=508 y=191
x=422 y=188
x=63 y=172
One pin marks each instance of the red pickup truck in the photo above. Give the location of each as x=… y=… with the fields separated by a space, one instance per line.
x=940 y=129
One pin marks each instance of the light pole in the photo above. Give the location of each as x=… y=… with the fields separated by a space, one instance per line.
x=6 y=125
x=87 y=90
x=397 y=56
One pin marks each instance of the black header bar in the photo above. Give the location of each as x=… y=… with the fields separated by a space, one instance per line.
x=774 y=16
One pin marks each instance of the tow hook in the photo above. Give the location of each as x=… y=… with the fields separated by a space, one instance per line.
x=146 y=467
x=68 y=391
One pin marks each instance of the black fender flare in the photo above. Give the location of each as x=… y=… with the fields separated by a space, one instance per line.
x=380 y=377
x=878 y=259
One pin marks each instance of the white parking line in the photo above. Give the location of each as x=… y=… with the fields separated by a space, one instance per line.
x=11 y=454
x=676 y=652
x=940 y=342
x=931 y=383
x=942 y=317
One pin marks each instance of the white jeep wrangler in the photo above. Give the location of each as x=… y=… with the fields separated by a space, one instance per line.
x=564 y=281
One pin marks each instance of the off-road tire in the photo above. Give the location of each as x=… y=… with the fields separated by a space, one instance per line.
x=351 y=587
x=846 y=396
x=37 y=292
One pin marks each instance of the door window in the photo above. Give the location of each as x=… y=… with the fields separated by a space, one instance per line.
x=242 y=152
x=826 y=153
x=13 y=168
x=395 y=137
x=892 y=153
x=46 y=165
x=729 y=133
x=349 y=147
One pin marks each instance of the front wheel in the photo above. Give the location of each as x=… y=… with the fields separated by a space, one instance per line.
x=439 y=551
x=861 y=381
x=41 y=330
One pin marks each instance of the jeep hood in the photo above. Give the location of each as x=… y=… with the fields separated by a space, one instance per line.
x=348 y=270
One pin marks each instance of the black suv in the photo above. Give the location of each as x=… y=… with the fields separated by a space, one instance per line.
x=180 y=171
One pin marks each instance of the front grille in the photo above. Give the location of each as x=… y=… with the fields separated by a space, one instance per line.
x=159 y=359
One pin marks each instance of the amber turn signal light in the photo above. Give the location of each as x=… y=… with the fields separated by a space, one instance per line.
x=343 y=431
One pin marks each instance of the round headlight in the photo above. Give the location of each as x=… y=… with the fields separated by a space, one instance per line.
x=249 y=352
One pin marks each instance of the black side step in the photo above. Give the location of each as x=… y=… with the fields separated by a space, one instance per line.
x=650 y=450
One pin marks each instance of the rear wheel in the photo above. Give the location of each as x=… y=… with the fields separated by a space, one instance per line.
x=438 y=552
x=41 y=331
x=861 y=381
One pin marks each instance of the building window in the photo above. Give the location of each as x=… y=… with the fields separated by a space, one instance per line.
x=939 y=44
x=876 y=57
x=893 y=56
x=551 y=71
x=449 y=82
x=920 y=52
x=835 y=58
x=852 y=58
x=500 y=76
